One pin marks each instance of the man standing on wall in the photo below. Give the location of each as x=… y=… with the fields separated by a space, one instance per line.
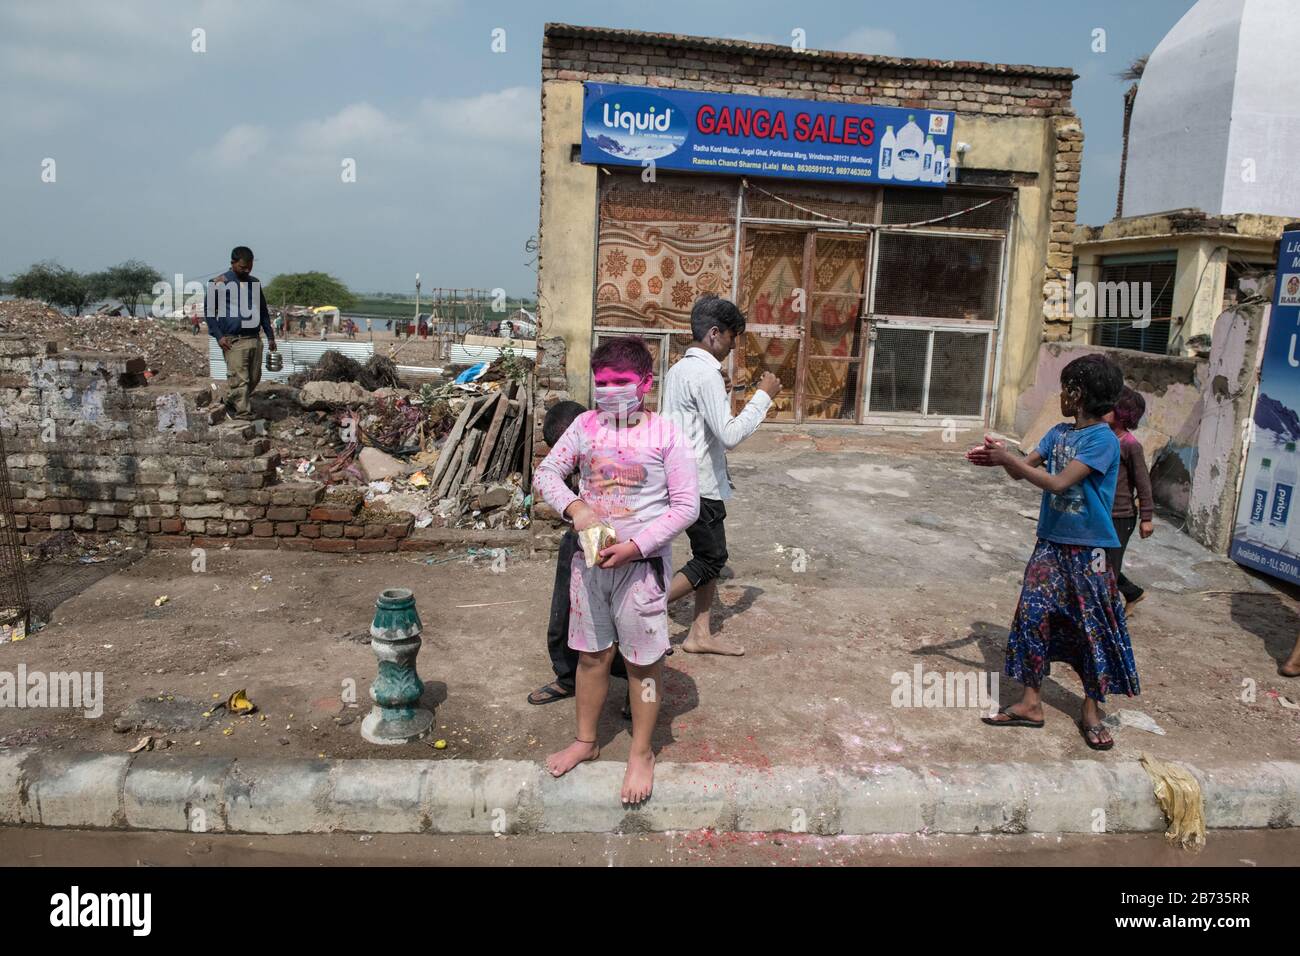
x=697 y=399
x=236 y=312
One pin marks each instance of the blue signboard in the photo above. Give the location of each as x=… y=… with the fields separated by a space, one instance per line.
x=764 y=136
x=1267 y=532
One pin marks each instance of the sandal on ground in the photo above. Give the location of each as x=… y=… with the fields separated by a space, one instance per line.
x=1096 y=730
x=1282 y=673
x=549 y=693
x=1015 y=721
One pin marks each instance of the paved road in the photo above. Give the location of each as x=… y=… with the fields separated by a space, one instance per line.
x=34 y=847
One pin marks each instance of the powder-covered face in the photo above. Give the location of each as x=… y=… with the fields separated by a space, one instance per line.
x=617 y=381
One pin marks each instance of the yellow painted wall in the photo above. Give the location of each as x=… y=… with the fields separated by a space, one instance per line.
x=566 y=283
x=1025 y=145
x=568 y=234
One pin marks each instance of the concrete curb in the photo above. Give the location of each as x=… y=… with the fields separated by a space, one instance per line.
x=40 y=787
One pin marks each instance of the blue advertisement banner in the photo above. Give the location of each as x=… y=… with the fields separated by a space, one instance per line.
x=764 y=136
x=1266 y=535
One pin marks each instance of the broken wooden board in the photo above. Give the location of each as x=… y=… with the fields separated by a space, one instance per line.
x=493 y=433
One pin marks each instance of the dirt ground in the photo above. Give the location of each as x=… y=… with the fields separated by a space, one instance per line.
x=909 y=555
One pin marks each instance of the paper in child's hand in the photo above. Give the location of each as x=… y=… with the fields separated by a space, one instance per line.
x=594 y=540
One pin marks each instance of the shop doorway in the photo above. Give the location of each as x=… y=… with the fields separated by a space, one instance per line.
x=804 y=291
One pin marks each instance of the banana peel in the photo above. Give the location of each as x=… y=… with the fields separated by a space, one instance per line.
x=236 y=704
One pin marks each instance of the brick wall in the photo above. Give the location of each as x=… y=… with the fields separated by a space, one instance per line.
x=91 y=450
x=732 y=66
x=551 y=388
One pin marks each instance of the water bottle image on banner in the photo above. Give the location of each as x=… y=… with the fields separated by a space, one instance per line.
x=885 y=165
x=907 y=156
x=940 y=170
x=1279 y=508
x=927 y=160
x=1259 y=502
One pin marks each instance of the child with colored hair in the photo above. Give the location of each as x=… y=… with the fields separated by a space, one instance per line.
x=1134 y=480
x=1070 y=608
x=636 y=474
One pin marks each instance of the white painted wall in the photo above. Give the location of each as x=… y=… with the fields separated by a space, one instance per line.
x=1220 y=88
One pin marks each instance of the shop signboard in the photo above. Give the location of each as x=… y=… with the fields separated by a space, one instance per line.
x=1266 y=535
x=765 y=136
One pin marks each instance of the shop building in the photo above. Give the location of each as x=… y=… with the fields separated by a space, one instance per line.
x=892 y=228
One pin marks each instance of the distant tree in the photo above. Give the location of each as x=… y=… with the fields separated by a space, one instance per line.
x=128 y=282
x=55 y=284
x=308 y=288
x=1135 y=69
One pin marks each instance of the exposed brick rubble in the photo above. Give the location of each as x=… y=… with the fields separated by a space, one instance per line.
x=552 y=387
x=92 y=451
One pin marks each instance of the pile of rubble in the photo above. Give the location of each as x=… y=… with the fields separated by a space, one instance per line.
x=452 y=455
x=163 y=352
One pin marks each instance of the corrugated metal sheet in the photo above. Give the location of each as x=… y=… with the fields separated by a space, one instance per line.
x=298 y=356
x=459 y=354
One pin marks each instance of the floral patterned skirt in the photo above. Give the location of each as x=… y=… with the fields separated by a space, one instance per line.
x=1071 y=612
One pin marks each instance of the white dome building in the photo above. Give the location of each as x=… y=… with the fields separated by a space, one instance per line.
x=1216 y=123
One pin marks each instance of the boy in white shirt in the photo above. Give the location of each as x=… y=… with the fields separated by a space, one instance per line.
x=696 y=398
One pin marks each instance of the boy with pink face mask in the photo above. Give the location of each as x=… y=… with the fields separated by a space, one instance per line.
x=636 y=474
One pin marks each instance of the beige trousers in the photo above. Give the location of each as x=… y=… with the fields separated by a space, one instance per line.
x=243 y=372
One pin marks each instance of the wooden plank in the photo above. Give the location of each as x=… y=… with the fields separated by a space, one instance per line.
x=528 y=428
x=493 y=432
x=497 y=469
x=487 y=404
x=449 y=446
x=472 y=446
x=444 y=485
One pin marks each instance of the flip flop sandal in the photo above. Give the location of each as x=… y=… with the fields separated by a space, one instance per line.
x=554 y=691
x=1097 y=730
x=1015 y=721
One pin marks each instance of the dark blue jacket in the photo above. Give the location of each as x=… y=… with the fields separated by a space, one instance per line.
x=236 y=307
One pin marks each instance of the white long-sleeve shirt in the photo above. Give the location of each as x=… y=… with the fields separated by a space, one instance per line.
x=695 y=398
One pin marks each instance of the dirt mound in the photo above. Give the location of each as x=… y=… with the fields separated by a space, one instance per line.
x=147 y=337
x=378 y=372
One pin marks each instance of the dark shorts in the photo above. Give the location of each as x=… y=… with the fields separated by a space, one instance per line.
x=708 y=537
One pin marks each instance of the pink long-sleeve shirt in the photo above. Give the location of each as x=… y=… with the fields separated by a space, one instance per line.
x=641 y=481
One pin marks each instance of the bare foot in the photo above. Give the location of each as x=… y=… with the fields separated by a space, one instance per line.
x=711 y=644
x=639 y=781
x=1287 y=669
x=562 y=761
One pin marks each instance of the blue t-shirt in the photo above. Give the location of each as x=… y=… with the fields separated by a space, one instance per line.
x=1080 y=514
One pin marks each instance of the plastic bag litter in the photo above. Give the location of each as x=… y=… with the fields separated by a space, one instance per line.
x=1180 y=798
x=1135 y=719
x=594 y=540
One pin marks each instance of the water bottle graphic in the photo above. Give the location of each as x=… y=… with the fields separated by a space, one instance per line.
x=1259 y=502
x=885 y=166
x=927 y=160
x=1279 y=507
x=940 y=166
x=907 y=155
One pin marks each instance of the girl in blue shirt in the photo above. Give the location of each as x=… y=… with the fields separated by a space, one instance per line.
x=1070 y=606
